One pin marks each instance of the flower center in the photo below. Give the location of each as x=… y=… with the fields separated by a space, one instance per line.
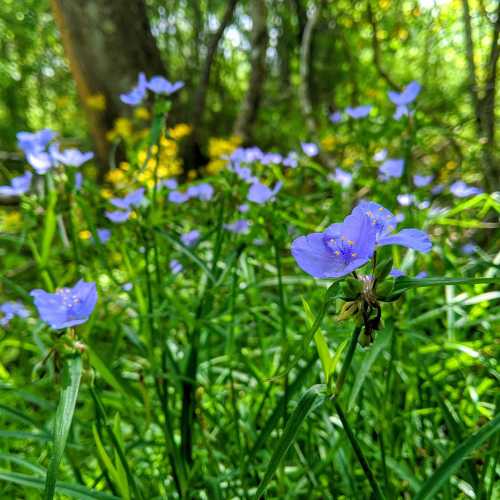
x=342 y=248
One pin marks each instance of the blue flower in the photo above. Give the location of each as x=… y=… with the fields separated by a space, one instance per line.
x=392 y=167
x=70 y=157
x=310 y=149
x=78 y=181
x=336 y=117
x=175 y=266
x=438 y=188
x=243 y=208
x=133 y=199
x=177 y=197
x=118 y=216
x=396 y=273
x=239 y=227
x=271 y=159
x=421 y=275
x=11 y=309
x=138 y=93
x=260 y=193
x=34 y=142
x=422 y=180
x=203 y=191
x=359 y=111
x=405 y=199
x=380 y=155
x=385 y=223
x=339 y=250
x=291 y=160
x=104 y=235
x=41 y=161
x=342 y=177
x=244 y=173
x=402 y=99
x=18 y=185
x=462 y=190
x=407 y=96
x=169 y=183
x=66 y=307
x=190 y=238
x=160 y=85
x=469 y=248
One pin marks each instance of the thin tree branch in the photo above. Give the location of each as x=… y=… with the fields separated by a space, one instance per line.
x=377 y=60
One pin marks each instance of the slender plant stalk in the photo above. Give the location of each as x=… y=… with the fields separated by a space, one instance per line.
x=357 y=450
x=348 y=359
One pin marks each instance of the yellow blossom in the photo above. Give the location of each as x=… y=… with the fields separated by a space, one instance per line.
x=218 y=146
x=96 y=101
x=85 y=234
x=106 y=193
x=215 y=166
x=328 y=142
x=142 y=113
x=180 y=131
x=11 y=221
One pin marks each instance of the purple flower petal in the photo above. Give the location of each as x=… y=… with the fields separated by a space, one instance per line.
x=410 y=238
x=422 y=180
x=359 y=111
x=118 y=216
x=310 y=149
x=66 y=307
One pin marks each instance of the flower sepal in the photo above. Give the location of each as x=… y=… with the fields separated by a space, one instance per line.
x=351 y=289
x=383 y=269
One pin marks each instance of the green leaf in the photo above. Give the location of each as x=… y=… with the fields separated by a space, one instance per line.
x=321 y=345
x=310 y=400
x=64 y=415
x=453 y=462
x=380 y=344
x=405 y=283
x=71 y=490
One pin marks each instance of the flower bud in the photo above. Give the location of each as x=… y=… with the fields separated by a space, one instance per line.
x=349 y=309
x=384 y=289
x=351 y=288
x=383 y=269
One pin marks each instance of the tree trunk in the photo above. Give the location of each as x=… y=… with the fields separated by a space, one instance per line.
x=107 y=43
x=483 y=103
x=305 y=81
x=192 y=154
x=249 y=108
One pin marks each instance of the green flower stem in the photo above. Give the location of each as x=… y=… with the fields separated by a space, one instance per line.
x=357 y=450
x=348 y=359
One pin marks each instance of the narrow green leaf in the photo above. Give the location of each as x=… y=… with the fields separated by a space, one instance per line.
x=71 y=490
x=405 y=283
x=310 y=400
x=453 y=462
x=321 y=345
x=64 y=415
x=379 y=345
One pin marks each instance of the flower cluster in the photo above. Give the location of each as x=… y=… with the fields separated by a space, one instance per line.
x=43 y=155
x=157 y=85
x=67 y=307
x=346 y=246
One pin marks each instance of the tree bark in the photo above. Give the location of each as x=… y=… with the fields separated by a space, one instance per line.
x=377 y=59
x=483 y=103
x=107 y=43
x=305 y=81
x=250 y=106
x=192 y=154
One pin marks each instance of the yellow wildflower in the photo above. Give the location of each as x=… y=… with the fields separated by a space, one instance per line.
x=142 y=113
x=180 y=131
x=85 y=234
x=96 y=101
